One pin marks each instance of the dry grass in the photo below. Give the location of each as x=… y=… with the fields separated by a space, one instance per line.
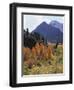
x=43 y=60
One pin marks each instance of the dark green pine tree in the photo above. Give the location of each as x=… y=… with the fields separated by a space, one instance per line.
x=27 y=31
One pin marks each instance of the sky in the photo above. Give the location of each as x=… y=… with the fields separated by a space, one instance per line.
x=32 y=21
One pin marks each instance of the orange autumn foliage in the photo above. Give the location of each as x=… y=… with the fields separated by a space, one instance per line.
x=37 y=48
x=39 y=52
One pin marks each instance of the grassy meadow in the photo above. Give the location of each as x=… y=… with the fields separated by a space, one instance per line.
x=43 y=59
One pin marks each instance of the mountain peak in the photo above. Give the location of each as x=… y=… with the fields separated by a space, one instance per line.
x=57 y=24
x=44 y=23
x=50 y=32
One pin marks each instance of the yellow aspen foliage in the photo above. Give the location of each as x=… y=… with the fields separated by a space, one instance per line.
x=27 y=53
x=40 y=51
x=42 y=47
x=33 y=51
x=49 y=52
x=37 y=47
